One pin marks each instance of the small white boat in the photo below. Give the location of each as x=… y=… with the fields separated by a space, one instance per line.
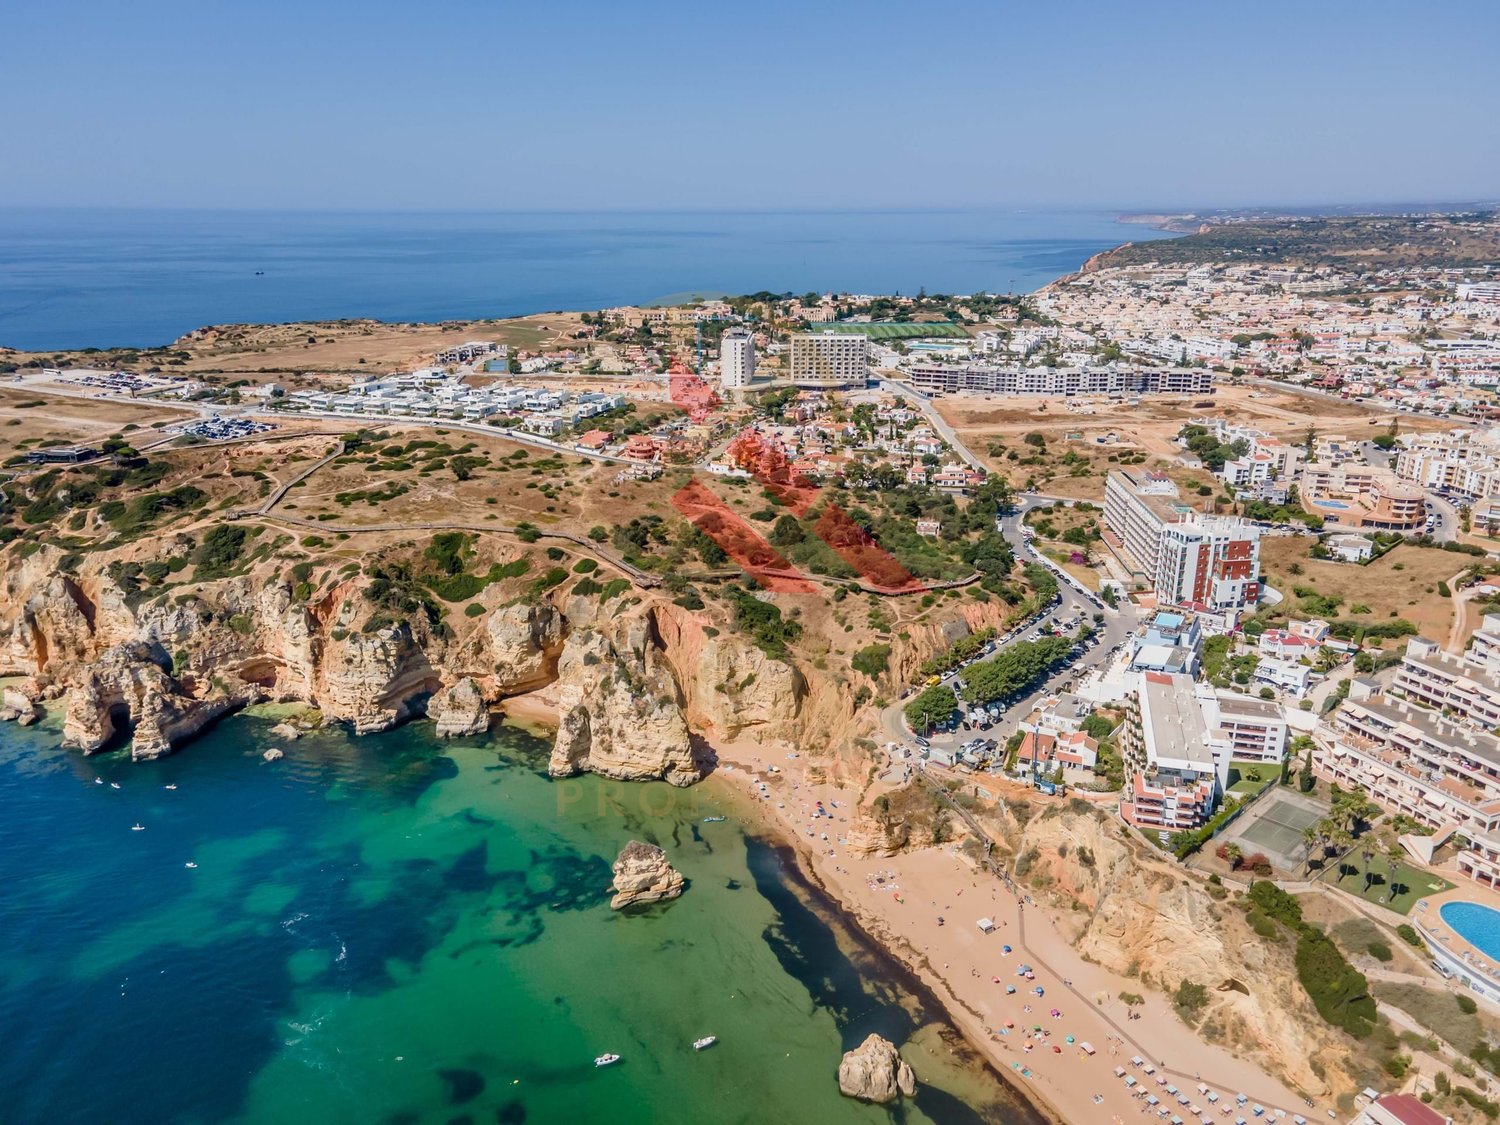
x=169 y=787
x=114 y=785
x=606 y=1060
x=98 y=781
x=190 y=864
x=705 y=1042
x=138 y=828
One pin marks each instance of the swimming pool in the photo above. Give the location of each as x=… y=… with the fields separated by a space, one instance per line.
x=1331 y=504
x=1478 y=925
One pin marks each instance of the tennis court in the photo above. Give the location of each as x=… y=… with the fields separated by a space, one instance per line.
x=894 y=330
x=1275 y=827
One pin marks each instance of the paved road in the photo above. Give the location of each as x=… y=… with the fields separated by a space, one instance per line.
x=934 y=419
x=1115 y=629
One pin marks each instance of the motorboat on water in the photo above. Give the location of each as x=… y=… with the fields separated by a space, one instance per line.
x=169 y=786
x=114 y=785
x=606 y=1060
x=190 y=864
x=704 y=1043
x=138 y=828
x=98 y=781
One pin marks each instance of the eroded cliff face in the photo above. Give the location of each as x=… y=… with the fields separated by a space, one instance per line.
x=1143 y=917
x=620 y=707
x=630 y=684
x=731 y=689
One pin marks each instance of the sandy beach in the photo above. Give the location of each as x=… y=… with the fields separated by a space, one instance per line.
x=898 y=901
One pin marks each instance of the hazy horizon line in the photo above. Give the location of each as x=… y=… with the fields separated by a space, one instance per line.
x=1116 y=209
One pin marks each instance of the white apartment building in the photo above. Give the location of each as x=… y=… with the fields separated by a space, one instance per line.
x=1251 y=729
x=1463 y=461
x=1484 y=645
x=1414 y=761
x=1188 y=558
x=1174 y=769
x=1458 y=686
x=1486 y=291
x=828 y=359
x=736 y=359
x=1112 y=379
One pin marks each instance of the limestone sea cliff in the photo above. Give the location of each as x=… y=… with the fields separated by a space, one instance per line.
x=636 y=690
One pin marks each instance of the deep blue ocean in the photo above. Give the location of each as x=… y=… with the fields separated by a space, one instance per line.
x=101 y=278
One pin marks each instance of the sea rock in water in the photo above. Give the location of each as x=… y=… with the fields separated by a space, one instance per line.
x=17 y=706
x=286 y=732
x=273 y=754
x=459 y=710
x=643 y=875
x=875 y=1072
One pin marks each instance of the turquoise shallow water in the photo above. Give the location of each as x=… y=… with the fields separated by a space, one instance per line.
x=390 y=929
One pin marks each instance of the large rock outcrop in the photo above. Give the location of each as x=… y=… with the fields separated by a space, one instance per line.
x=16 y=706
x=619 y=710
x=126 y=684
x=370 y=679
x=524 y=643
x=874 y=835
x=643 y=876
x=875 y=1072
x=459 y=710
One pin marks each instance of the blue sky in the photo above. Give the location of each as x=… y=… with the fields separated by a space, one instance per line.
x=463 y=104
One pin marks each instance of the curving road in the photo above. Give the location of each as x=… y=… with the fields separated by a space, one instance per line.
x=1073 y=601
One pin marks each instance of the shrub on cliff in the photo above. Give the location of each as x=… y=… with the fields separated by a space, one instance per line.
x=219 y=551
x=1339 y=991
x=872 y=660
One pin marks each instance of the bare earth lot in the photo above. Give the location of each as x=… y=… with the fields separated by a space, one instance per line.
x=27 y=418
x=1400 y=584
x=1072 y=462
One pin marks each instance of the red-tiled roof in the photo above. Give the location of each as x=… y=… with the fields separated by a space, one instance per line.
x=1409 y=1110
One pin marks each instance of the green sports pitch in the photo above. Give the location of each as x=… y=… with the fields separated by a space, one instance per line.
x=893 y=330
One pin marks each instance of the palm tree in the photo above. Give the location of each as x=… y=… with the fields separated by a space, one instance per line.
x=1233 y=853
x=1367 y=853
x=1395 y=855
x=1310 y=836
x=1342 y=840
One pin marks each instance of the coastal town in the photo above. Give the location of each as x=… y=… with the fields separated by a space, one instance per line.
x=1124 y=657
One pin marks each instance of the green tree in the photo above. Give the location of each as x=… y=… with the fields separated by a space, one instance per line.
x=932 y=707
x=787 y=532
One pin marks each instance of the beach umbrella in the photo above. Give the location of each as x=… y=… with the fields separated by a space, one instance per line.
x=1005 y=949
x=1010 y=1023
x=1070 y=1039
